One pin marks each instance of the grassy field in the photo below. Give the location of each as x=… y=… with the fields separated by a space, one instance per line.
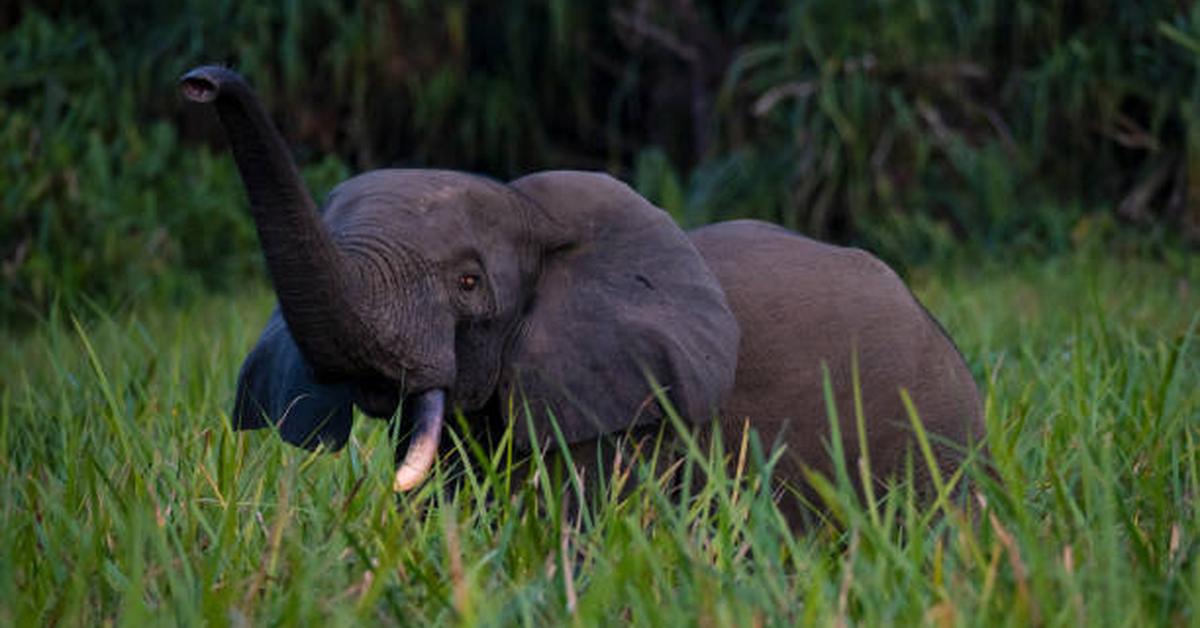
x=124 y=496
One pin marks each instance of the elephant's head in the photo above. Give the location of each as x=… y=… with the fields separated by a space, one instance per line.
x=565 y=290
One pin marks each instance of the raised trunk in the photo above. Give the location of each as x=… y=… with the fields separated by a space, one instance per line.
x=306 y=267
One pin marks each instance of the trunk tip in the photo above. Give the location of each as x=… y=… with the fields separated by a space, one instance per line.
x=203 y=84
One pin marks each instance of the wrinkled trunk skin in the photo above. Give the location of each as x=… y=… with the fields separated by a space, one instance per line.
x=306 y=267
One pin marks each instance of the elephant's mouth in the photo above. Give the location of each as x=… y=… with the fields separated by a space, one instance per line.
x=377 y=398
x=426 y=411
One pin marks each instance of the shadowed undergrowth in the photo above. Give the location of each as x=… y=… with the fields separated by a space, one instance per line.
x=910 y=127
x=125 y=496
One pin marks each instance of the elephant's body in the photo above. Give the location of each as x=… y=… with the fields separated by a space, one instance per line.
x=568 y=294
x=804 y=306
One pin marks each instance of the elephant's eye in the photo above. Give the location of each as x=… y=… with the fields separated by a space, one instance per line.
x=467 y=283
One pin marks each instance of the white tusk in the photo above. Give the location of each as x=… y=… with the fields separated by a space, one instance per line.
x=422 y=449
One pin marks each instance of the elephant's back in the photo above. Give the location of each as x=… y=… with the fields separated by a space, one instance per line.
x=802 y=304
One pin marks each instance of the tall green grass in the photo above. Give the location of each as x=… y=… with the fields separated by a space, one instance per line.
x=124 y=496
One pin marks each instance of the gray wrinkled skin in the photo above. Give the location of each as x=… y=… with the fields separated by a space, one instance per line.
x=805 y=308
x=571 y=293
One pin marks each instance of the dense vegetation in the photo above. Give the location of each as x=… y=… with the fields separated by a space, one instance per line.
x=1054 y=145
x=906 y=126
x=125 y=496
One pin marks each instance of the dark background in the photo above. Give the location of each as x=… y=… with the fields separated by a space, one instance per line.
x=925 y=130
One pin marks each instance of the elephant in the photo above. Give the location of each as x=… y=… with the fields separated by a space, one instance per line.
x=432 y=291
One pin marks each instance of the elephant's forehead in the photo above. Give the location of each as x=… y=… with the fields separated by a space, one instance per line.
x=436 y=214
x=413 y=191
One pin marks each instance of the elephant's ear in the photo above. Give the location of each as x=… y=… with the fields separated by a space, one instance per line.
x=622 y=301
x=276 y=387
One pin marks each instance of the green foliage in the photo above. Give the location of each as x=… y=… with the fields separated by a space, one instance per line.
x=126 y=498
x=988 y=121
x=102 y=199
x=910 y=127
x=901 y=126
x=99 y=201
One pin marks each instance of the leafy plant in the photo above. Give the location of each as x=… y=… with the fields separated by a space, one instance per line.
x=895 y=125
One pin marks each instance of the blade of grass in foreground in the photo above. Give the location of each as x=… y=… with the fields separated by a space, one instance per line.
x=126 y=496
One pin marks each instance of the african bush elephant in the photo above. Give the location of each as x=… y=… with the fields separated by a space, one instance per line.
x=571 y=293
